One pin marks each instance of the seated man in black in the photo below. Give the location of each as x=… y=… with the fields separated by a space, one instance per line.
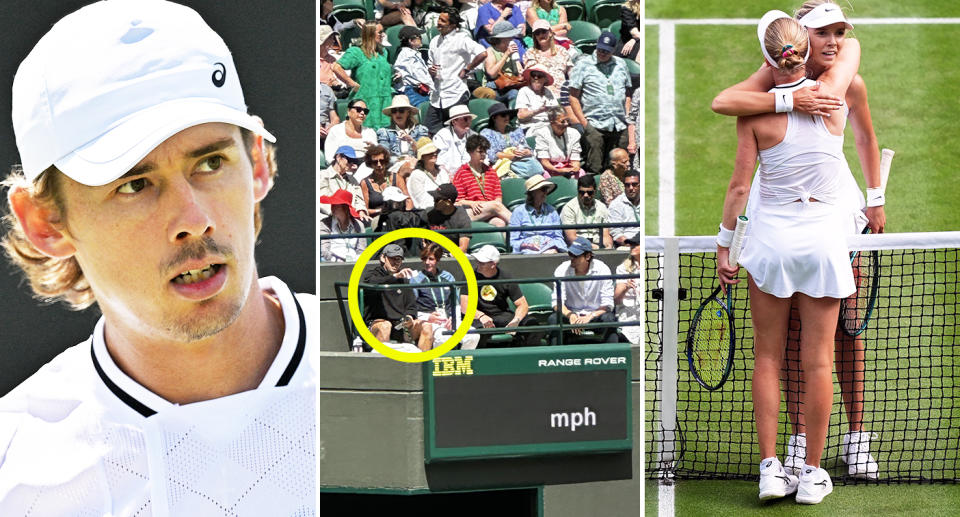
x=388 y=313
x=446 y=216
x=492 y=307
x=395 y=216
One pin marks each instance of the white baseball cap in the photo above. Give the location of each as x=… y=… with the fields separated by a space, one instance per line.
x=113 y=80
x=486 y=253
x=823 y=15
x=394 y=194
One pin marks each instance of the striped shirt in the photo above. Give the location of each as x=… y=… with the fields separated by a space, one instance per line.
x=470 y=189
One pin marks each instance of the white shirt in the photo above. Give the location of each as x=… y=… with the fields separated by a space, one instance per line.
x=584 y=296
x=553 y=147
x=526 y=98
x=412 y=68
x=453 y=151
x=337 y=136
x=453 y=53
x=329 y=181
x=420 y=184
x=621 y=210
x=80 y=437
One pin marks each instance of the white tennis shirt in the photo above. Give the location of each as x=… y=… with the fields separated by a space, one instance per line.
x=80 y=437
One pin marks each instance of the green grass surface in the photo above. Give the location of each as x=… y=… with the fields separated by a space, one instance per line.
x=651 y=114
x=755 y=9
x=739 y=499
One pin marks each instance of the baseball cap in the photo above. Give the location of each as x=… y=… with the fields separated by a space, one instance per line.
x=445 y=191
x=823 y=15
x=392 y=250
x=347 y=151
x=607 y=41
x=541 y=24
x=407 y=33
x=393 y=194
x=579 y=246
x=486 y=253
x=146 y=70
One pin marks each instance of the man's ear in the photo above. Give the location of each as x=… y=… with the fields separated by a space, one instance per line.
x=262 y=182
x=41 y=224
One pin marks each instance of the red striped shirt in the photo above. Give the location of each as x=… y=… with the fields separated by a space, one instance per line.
x=468 y=188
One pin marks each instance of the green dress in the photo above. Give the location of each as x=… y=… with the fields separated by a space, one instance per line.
x=375 y=78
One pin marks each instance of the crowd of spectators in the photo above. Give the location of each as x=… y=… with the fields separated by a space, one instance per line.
x=403 y=148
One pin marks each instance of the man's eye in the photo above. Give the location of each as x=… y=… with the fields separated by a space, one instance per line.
x=212 y=163
x=133 y=186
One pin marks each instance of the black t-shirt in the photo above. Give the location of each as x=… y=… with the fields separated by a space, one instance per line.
x=391 y=304
x=439 y=221
x=399 y=219
x=493 y=297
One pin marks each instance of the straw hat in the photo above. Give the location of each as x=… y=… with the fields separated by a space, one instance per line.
x=460 y=110
x=399 y=101
x=539 y=182
x=425 y=146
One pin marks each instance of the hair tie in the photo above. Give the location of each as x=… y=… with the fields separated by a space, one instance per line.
x=787 y=50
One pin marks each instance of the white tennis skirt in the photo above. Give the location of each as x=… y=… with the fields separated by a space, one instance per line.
x=799 y=248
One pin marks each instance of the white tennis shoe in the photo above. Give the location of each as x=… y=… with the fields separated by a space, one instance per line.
x=775 y=482
x=855 y=452
x=815 y=484
x=796 y=453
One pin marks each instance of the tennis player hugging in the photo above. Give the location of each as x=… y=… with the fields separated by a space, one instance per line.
x=796 y=251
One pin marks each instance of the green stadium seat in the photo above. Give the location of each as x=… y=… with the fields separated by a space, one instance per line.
x=532 y=142
x=633 y=67
x=615 y=28
x=565 y=191
x=603 y=12
x=370 y=240
x=514 y=192
x=495 y=239
x=538 y=298
x=479 y=108
x=575 y=9
x=342 y=108
x=393 y=37
x=584 y=35
x=423 y=111
x=322 y=162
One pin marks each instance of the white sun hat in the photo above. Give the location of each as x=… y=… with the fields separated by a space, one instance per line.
x=113 y=80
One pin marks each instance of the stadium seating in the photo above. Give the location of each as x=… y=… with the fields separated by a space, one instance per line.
x=575 y=9
x=423 y=111
x=342 y=108
x=584 y=35
x=393 y=37
x=615 y=28
x=495 y=239
x=603 y=12
x=565 y=191
x=346 y=10
x=514 y=192
x=479 y=108
x=538 y=298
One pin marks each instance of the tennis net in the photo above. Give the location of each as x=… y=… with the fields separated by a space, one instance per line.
x=911 y=373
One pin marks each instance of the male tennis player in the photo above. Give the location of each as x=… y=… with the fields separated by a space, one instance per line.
x=139 y=191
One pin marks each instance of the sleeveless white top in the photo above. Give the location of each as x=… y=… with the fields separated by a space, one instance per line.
x=807 y=163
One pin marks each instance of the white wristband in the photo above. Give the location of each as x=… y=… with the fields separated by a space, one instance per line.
x=784 y=101
x=724 y=237
x=875 y=197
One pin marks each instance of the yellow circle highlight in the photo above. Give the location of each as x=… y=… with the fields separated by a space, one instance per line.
x=353 y=296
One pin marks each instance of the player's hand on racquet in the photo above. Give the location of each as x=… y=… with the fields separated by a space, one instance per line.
x=876 y=218
x=809 y=100
x=725 y=272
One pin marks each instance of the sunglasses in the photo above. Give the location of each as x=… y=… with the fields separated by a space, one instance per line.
x=378 y=161
x=394 y=111
x=537 y=75
x=586 y=192
x=631 y=185
x=360 y=110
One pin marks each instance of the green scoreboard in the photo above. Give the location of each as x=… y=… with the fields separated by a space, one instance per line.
x=527 y=401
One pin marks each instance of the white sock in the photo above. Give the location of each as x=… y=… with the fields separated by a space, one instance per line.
x=807 y=469
x=765 y=461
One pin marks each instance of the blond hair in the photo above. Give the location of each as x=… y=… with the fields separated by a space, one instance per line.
x=54 y=279
x=786 y=42
x=369 y=43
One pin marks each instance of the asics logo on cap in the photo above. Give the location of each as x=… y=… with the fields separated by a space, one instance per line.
x=219 y=76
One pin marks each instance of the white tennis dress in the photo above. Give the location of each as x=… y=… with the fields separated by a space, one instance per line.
x=796 y=244
x=81 y=438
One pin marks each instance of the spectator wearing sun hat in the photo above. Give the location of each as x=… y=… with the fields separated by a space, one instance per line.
x=599 y=83
x=536 y=212
x=509 y=152
x=343 y=219
x=502 y=64
x=535 y=99
x=452 y=139
x=427 y=176
x=546 y=53
x=401 y=134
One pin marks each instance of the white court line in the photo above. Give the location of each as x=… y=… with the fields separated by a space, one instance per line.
x=854 y=21
x=665 y=502
x=666 y=145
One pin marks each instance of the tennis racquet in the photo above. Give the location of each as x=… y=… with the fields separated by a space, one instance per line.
x=712 y=335
x=855 y=310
